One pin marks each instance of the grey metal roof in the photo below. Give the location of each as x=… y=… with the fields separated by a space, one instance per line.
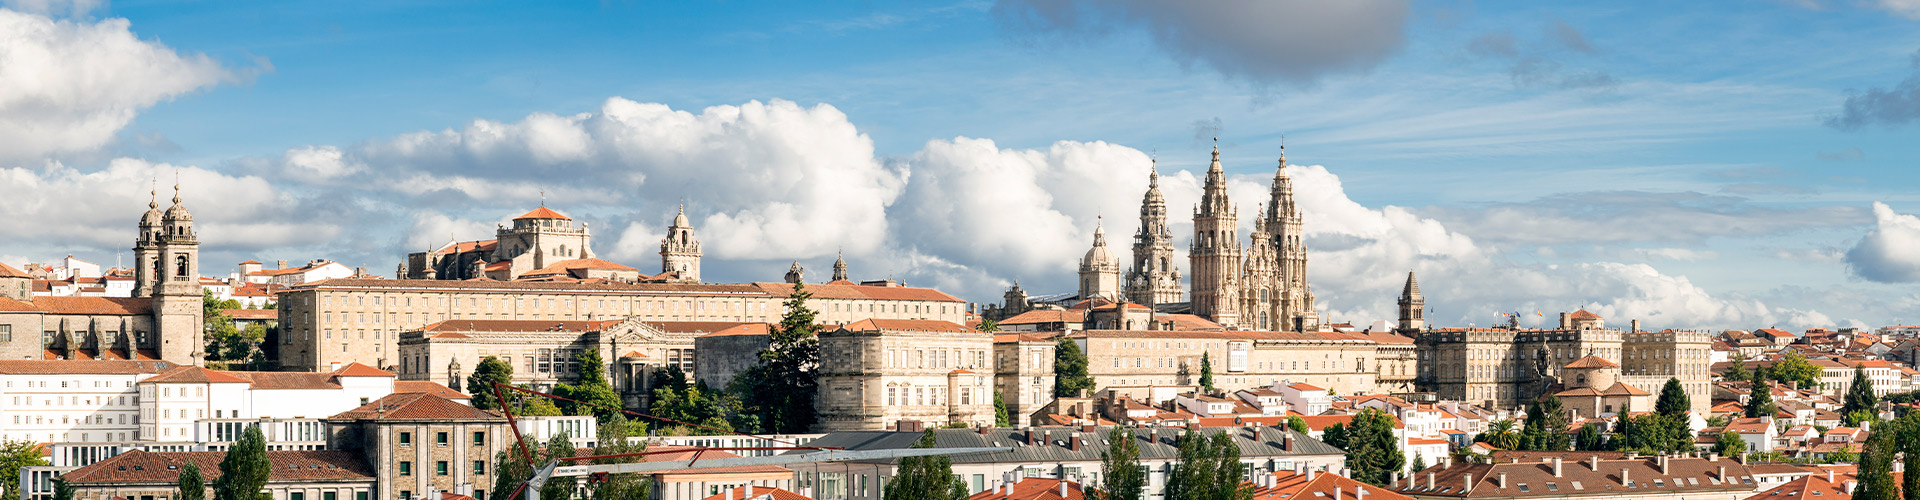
x=1155 y=442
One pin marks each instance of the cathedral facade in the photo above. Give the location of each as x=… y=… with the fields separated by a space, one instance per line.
x=1263 y=287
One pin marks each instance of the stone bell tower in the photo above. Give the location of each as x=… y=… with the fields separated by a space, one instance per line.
x=177 y=308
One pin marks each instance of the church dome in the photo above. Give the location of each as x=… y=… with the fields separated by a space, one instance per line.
x=1099 y=254
x=178 y=212
x=680 y=219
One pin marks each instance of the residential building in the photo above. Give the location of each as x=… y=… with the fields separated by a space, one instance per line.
x=1554 y=475
x=316 y=270
x=1023 y=373
x=73 y=401
x=416 y=443
x=173 y=401
x=294 y=475
x=1510 y=366
x=545 y=353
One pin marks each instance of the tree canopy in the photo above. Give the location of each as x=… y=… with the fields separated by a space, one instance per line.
x=925 y=478
x=13 y=456
x=1860 y=394
x=1209 y=468
x=192 y=486
x=1070 y=378
x=1206 y=371
x=591 y=394
x=781 y=389
x=1795 y=369
x=1760 y=400
x=1120 y=470
x=480 y=383
x=1673 y=401
x=1373 y=455
x=244 y=471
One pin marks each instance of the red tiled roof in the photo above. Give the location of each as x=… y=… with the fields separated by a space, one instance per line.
x=1301 y=386
x=1041 y=316
x=61 y=367
x=906 y=325
x=10 y=305
x=416 y=405
x=543 y=213
x=1033 y=488
x=146 y=467
x=427 y=387
x=759 y=493
x=1621 y=388
x=194 y=375
x=249 y=261
x=687 y=454
x=1583 y=314
x=517 y=325
x=360 y=370
x=999 y=337
x=1592 y=362
x=7 y=271
x=110 y=306
x=825 y=291
x=252 y=314
x=1290 y=486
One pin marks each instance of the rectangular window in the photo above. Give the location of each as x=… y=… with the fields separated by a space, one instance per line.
x=406 y=469
x=406 y=438
x=296 y=496
x=479 y=467
x=479 y=438
x=440 y=468
x=328 y=495
x=440 y=438
x=360 y=495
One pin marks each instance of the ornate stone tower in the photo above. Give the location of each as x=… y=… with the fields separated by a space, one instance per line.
x=146 y=249
x=840 y=268
x=1294 y=307
x=1153 y=280
x=1099 y=273
x=795 y=273
x=680 y=250
x=1261 y=288
x=538 y=239
x=176 y=295
x=1412 y=307
x=1215 y=253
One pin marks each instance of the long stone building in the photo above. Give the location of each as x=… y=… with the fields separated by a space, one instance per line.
x=1343 y=363
x=161 y=321
x=878 y=372
x=1511 y=366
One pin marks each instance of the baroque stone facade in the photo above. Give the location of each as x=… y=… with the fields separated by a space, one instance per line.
x=1153 y=278
x=544 y=353
x=886 y=371
x=1343 y=363
x=1509 y=367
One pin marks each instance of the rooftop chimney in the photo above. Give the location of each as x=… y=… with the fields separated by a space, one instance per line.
x=1665 y=469
x=1468 y=482
x=1073 y=443
x=1850 y=487
x=1829 y=475
x=283 y=264
x=1722 y=475
x=1429 y=481
x=1556 y=466
x=1503 y=480
x=1623 y=476
x=1635 y=328
x=1594 y=462
x=1063 y=488
x=729 y=493
x=749 y=492
x=1360 y=492
x=1310 y=473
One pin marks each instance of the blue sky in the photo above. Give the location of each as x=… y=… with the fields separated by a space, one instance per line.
x=1694 y=164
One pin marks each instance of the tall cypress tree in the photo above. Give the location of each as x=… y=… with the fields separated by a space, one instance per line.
x=244 y=471
x=1206 y=371
x=1673 y=402
x=1373 y=454
x=1875 y=473
x=782 y=387
x=1860 y=396
x=1760 y=402
x=1000 y=416
x=1120 y=467
x=192 y=487
x=1070 y=376
x=925 y=478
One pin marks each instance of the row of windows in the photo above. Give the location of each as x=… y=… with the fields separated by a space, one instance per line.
x=922 y=396
x=75 y=401
x=85 y=420
x=440 y=469
x=441 y=438
x=936 y=358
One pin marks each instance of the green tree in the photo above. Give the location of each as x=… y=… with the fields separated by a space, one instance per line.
x=1760 y=401
x=987 y=325
x=1070 y=377
x=1000 y=417
x=1730 y=444
x=1875 y=473
x=221 y=337
x=1673 y=402
x=1794 y=368
x=1500 y=434
x=559 y=446
x=781 y=389
x=1120 y=468
x=1334 y=435
x=613 y=440
x=1860 y=396
x=1737 y=371
x=480 y=384
x=61 y=490
x=1209 y=468
x=1373 y=455
x=1860 y=416
x=1590 y=439
x=1546 y=426
x=1206 y=371
x=695 y=405
x=591 y=394
x=192 y=487
x=13 y=456
x=1419 y=463
x=925 y=478
x=1841 y=456
x=243 y=473
x=1718 y=421
x=1297 y=424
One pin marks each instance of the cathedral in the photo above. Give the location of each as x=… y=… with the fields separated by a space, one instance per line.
x=1262 y=286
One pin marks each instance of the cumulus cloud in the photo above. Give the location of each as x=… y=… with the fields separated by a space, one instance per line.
x=1261 y=41
x=102 y=208
x=54 y=7
x=1909 y=9
x=68 y=86
x=1887 y=253
x=431 y=230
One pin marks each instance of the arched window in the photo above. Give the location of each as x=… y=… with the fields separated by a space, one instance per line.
x=180 y=266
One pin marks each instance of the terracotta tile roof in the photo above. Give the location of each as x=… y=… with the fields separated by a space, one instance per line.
x=410 y=406
x=1748 y=426
x=10 y=305
x=1621 y=388
x=249 y=261
x=1813 y=486
x=468 y=247
x=1301 y=386
x=1190 y=322
x=759 y=493
x=689 y=289
x=7 y=271
x=194 y=375
x=252 y=314
x=1034 y=488
x=427 y=387
x=360 y=370
x=688 y=454
x=905 y=325
x=113 y=306
x=1044 y=316
x=1583 y=314
x=1290 y=486
x=63 y=367
x=564 y=266
x=1592 y=362
x=703 y=327
x=499 y=266
x=1002 y=337
x=742 y=329
x=516 y=325
x=543 y=213
x=1534 y=477
x=146 y=467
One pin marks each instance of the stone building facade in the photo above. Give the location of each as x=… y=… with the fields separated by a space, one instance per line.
x=356 y=320
x=1509 y=367
x=161 y=321
x=1214 y=254
x=1153 y=279
x=294 y=475
x=887 y=371
x=420 y=442
x=1344 y=363
x=680 y=250
x=545 y=353
x=1023 y=373
x=537 y=239
x=1099 y=272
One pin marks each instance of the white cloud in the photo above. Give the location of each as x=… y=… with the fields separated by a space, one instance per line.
x=638 y=246
x=318 y=164
x=430 y=230
x=54 y=7
x=1909 y=9
x=1887 y=254
x=68 y=86
x=102 y=208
